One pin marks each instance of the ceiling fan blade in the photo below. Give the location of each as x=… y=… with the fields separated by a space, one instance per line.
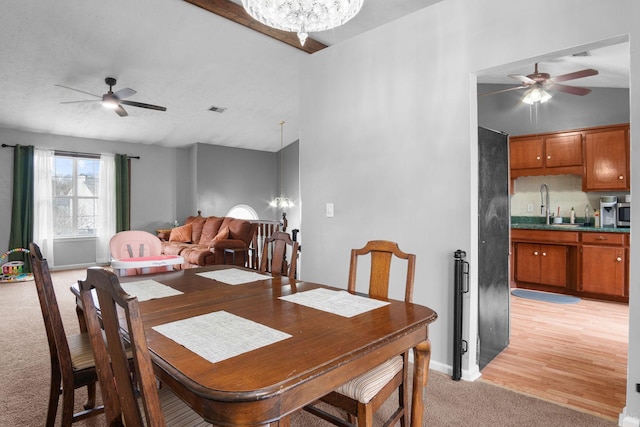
x=523 y=79
x=503 y=90
x=124 y=93
x=121 y=111
x=76 y=102
x=142 y=105
x=573 y=90
x=81 y=91
x=575 y=75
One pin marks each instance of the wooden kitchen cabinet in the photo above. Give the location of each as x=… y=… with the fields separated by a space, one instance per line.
x=589 y=264
x=604 y=264
x=607 y=160
x=548 y=154
x=541 y=264
x=563 y=150
x=526 y=153
x=599 y=154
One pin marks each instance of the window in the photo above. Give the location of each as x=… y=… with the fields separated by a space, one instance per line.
x=75 y=195
x=242 y=212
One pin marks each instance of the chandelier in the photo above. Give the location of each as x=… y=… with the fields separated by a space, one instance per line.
x=302 y=16
x=281 y=201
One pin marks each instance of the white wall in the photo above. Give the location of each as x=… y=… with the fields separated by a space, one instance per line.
x=389 y=134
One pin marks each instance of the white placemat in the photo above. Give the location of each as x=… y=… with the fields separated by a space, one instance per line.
x=341 y=303
x=220 y=335
x=234 y=276
x=149 y=289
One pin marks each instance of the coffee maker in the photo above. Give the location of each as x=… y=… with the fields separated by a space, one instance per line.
x=608 y=211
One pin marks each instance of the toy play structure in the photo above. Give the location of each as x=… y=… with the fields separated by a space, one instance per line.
x=12 y=271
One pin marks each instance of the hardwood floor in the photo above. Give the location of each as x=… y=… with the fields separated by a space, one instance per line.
x=571 y=354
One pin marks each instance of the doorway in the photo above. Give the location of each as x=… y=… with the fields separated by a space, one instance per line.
x=503 y=112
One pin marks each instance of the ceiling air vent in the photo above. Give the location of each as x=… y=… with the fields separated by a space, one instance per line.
x=217 y=109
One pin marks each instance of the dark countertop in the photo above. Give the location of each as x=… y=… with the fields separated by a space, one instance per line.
x=538 y=223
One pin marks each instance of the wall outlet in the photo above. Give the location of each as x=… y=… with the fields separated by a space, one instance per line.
x=329 y=210
x=530 y=207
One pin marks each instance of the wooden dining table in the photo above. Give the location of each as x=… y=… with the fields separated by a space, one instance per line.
x=265 y=385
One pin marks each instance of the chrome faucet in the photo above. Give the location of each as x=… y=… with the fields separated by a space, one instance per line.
x=544 y=201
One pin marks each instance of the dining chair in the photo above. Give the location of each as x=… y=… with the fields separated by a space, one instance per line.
x=362 y=396
x=274 y=255
x=155 y=406
x=72 y=363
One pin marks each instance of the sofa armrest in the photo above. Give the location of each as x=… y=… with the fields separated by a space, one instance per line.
x=221 y=245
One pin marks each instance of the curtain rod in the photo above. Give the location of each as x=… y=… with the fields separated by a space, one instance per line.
x=72 y=153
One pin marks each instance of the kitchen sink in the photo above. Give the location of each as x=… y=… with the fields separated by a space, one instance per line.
x=566 y=225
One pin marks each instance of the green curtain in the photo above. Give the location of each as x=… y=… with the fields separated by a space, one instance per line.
x=22 y=208
x=123 y=215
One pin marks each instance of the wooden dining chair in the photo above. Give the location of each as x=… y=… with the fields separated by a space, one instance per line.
x=72 y=363
x=120 y=390
x=362 y=396
x=274 y=255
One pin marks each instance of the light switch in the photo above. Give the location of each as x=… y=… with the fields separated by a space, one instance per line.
x=329 y=210
x=530 y=207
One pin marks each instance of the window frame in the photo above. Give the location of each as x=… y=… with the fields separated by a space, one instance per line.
x=76 y=199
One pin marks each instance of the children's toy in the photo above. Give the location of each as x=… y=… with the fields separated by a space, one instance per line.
x=12 y=271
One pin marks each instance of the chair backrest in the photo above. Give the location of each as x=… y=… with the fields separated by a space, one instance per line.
x=116 y=383
x=382 y=252
x=134 y=244
x=274 y=255
x=58 y=344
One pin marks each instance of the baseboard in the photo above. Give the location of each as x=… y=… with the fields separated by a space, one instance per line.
x=625 y=420
x=448 y=369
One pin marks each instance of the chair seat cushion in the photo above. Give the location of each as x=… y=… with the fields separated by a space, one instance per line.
x=81 y=353
x=366 y=386
x=176 y=412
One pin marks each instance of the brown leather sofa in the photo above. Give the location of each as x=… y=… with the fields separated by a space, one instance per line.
x=202 y=241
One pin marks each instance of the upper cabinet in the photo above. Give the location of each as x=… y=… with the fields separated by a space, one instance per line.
x=600 y=155
x=563 y=150
x=607 y=159
x=549 y=154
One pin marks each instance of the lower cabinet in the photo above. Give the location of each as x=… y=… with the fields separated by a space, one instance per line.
x=589 y=264
x=604 y=265
x=541 y=264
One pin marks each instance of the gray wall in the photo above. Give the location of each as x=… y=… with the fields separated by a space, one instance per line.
x=389 y=134
x=166 y=184
x=228 y=176
x=504 y=112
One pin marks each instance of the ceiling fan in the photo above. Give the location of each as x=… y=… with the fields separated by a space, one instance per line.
x=114 y=100
x=537 y=83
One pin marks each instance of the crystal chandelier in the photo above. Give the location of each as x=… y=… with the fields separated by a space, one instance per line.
x=302 y=16
x=281 y=201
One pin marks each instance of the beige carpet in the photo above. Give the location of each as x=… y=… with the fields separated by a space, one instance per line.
x=24 y=380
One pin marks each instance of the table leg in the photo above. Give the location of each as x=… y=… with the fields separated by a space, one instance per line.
x=422 y=357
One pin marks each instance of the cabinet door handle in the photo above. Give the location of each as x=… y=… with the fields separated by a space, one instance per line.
x=619 y=259
x=548 y=157
x=601 y=238
x=535 y=253
x=544 y=254
x=537 y=157
x=621 y=177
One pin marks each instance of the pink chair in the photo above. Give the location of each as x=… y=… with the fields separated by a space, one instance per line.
x=136 y=244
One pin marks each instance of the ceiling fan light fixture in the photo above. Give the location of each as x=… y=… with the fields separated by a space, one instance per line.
x=302 y=16
x=109 y=101
x=536 y=94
